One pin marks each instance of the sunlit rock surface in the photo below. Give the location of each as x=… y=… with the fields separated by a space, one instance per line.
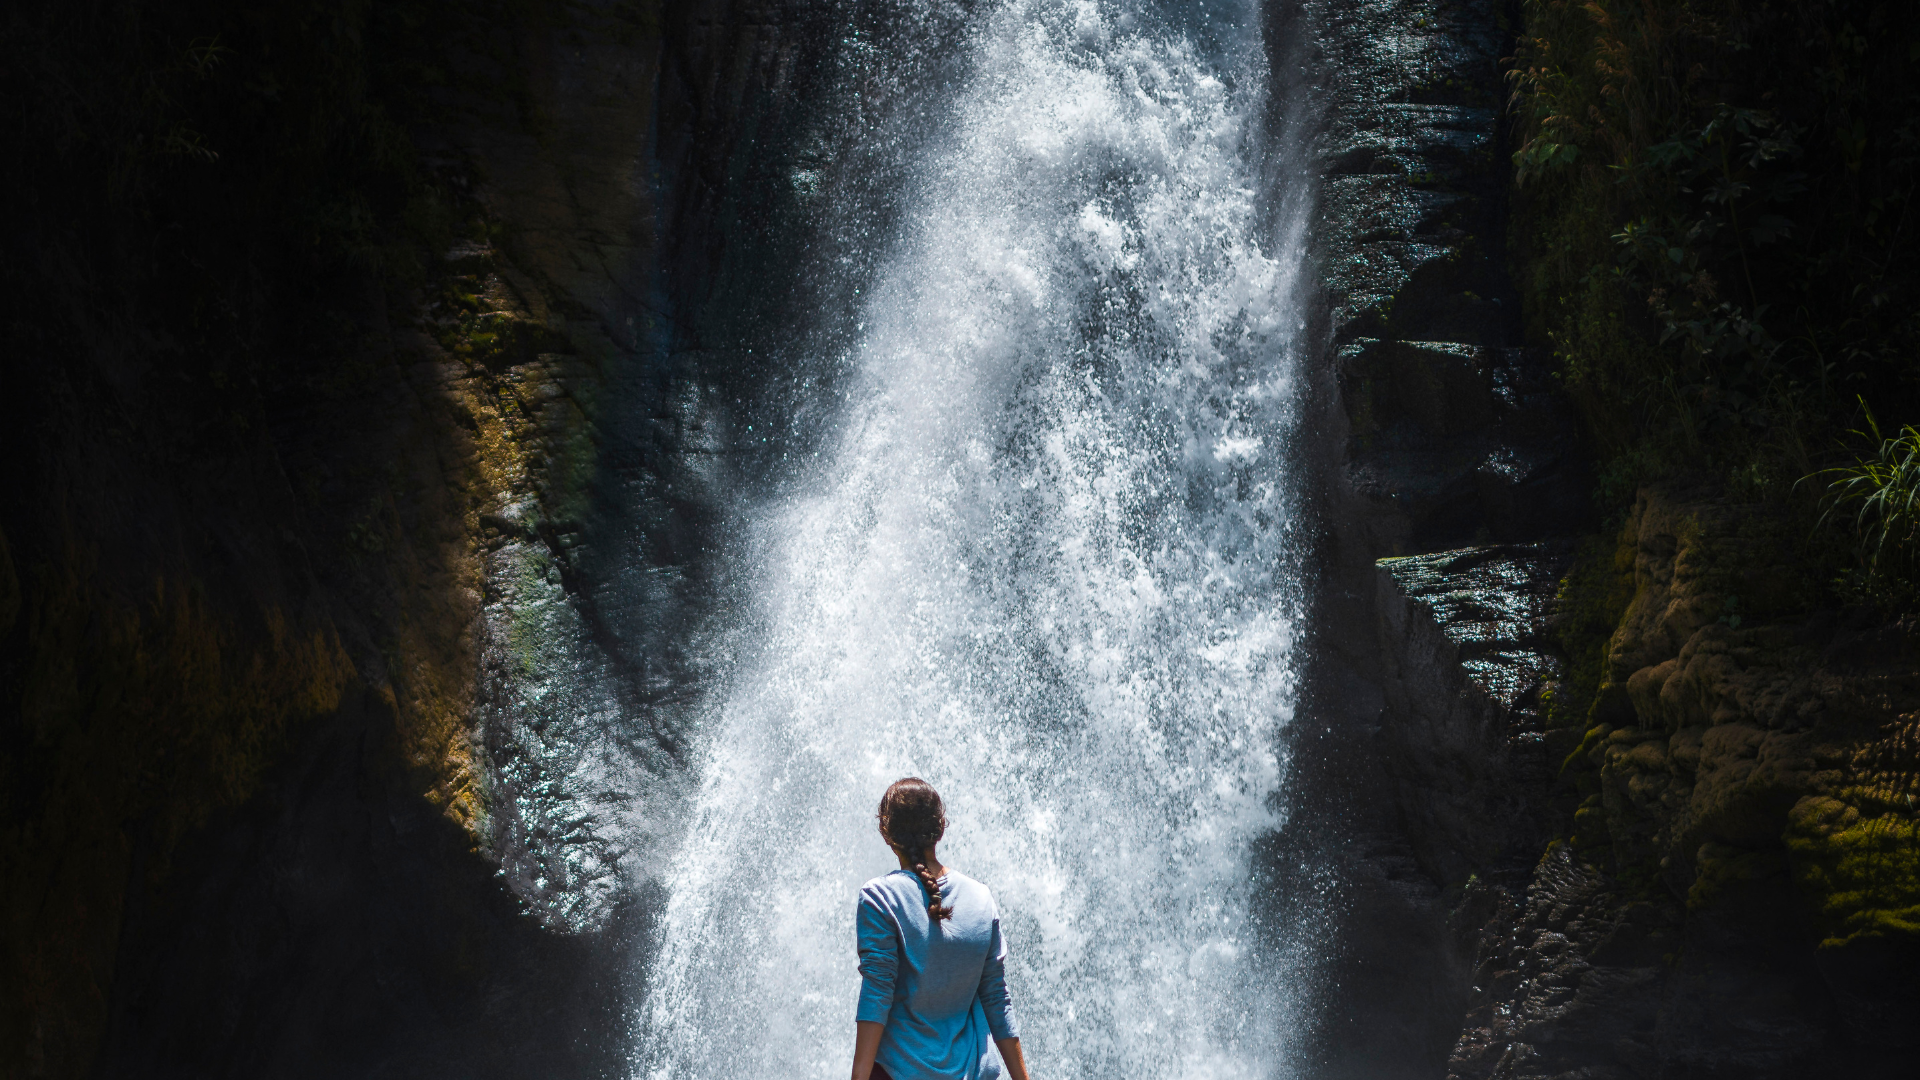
x=1491 y=604
x=1464 y=634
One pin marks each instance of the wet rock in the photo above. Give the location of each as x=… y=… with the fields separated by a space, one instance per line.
x=1437 y=434
x=1413 y=184
x=1568 y=979
x=1463 y=637
x=1491 y=604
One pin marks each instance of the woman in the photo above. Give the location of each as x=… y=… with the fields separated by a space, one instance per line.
x=932 y=964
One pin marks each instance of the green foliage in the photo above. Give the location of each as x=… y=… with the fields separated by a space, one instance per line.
x=1879 y=496
x=1713 y=227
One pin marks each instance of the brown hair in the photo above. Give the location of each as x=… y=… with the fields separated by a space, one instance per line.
x=912 y=821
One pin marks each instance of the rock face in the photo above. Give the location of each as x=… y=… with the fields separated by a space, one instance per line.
x=1451 y=434
x=1463 y=637
x=1716 y=779
x=1567 y=971
x=415 y=603
x=1720 y=909
x=1443 y=451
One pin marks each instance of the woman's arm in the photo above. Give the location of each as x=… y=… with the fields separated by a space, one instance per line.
x=866 y=1043
x=1009 y=1053
x=998 y=1005
x=994 y=999
x=879 y=946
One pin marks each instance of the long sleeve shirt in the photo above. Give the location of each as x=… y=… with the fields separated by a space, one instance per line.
x=939 y=987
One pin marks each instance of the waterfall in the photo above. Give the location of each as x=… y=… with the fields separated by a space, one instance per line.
x=1048 y=561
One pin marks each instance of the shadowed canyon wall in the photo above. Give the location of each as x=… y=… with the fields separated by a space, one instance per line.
x=317 y=317
x=1626 y=784
x=385 y=366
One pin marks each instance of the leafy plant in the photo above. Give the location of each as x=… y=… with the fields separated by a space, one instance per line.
x=1880 y=492
x=1712 y=220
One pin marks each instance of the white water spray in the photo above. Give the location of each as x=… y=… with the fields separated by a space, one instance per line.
x=1047 y=564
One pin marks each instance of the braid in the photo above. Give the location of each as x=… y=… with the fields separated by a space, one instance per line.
x=934 y=910
x=912 y=820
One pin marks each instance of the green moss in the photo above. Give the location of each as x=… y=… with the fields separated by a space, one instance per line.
x=1721 y=868
x=1857 y=858
x=467 y=326
x=1587 y=609
x=1591 y=601
x=1590 y=833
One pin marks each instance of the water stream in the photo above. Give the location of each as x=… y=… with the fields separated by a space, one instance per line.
x=1048 y=561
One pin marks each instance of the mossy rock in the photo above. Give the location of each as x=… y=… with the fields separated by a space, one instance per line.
x=1721 y=868
x=1860 y=871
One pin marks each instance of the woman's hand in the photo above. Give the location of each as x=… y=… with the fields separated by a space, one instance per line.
x=1009 y=1053
x=866 y=1043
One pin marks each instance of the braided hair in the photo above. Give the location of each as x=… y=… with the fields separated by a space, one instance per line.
x=912 y=821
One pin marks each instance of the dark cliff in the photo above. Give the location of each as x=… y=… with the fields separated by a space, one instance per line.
x=1435 y=429
x=320 y=316
x=1618 y=722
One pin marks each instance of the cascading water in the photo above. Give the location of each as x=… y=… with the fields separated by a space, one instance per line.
x=1046 y=562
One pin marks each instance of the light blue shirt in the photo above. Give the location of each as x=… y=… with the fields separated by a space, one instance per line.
x=940 y=988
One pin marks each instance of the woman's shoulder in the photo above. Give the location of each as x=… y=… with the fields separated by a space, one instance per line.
x=970 y=884
x=891 y=883
x=906 y=885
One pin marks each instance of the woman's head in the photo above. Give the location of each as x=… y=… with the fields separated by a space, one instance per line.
x=912 y=821
x=911 y=817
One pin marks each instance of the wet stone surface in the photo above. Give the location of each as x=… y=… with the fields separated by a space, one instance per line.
x=1569 y=978
x=1411 y=152
x=1455 y=435
x=1449 y=466
x=1492 y=603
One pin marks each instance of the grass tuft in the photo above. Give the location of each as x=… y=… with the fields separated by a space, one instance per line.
x=1879 y=496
